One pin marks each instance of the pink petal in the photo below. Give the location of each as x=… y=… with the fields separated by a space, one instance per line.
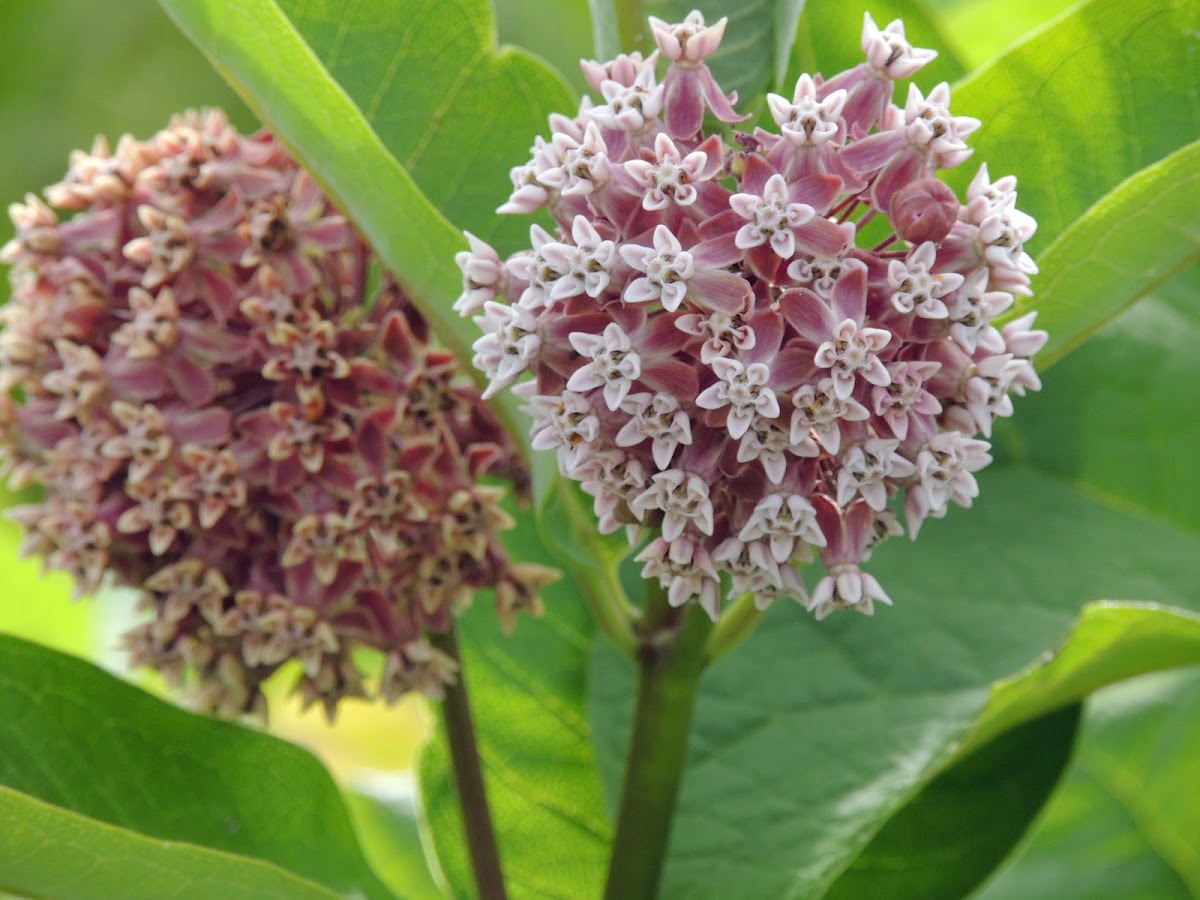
x=670 y=376
x=721 y=105
x=850 y=295
x=768 y=334
x=195 y=384
x=808 y=314
x=682 y=102
x=821 y=238
x=719 y=252
x=871 y=153
x=756 y=174
x=903 y=169
x=791 y=368
x=818 y=191
x=660 y=336
x=209 y=427
x=717 y=289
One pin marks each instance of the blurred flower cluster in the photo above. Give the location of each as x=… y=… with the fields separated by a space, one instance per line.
x=748 y=352
x=234 y=410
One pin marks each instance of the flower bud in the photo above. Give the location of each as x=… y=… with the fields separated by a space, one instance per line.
x=923 y=211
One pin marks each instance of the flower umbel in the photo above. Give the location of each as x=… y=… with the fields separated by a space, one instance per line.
x=221 y=420
x=787 y=339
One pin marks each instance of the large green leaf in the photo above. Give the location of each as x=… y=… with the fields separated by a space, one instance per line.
x=452 y=107
x=527 y=697
x=46 y=851
x=1132 y=240
x=974 y=811
x=560 y=33
x=387 y=820
x=754 y=54
x=945 y=840
x=1119 y=415
x=1084 y=104
x=1123 y=826
x=812 y=735
x=982 y=29
x=74 y=736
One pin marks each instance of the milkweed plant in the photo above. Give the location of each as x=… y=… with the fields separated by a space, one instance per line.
x=621 y=444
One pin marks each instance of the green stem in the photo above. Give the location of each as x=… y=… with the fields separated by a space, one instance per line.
x=670 y=664
x=632 y=31
x=733 y=627
x=468 y=778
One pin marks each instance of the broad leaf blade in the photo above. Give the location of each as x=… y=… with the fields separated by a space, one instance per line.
x=46 y=851
x=985 y=29
x=1131 y=241
x=1082 y=105
x=454 y=109
x=1110 y=643
x=812 y=735
x=388 y=823
x=75 y=737
x=1123 y=825
x=1118 y=415
x=947 y=839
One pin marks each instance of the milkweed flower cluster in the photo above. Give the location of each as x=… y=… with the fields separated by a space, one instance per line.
x=225 y=415
x=747 y=352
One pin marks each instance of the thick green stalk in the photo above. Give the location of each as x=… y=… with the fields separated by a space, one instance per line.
x=670 y=663
x=468 y=779
x=734 y=626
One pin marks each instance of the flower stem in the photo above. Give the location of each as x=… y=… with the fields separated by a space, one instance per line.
x=670 y=664
x=733 y=627
x=468 y=778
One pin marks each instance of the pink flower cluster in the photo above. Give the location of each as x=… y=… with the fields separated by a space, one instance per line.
x=746 y=354
x=233 y=409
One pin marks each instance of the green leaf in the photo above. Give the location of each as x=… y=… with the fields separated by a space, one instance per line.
x=1135 y=238
x=1084 y=104
x=455 y=109
x=527 y=698
x=50 y=852
x=1118 y=415
x=945 y=840
x=386 y=818
x=75 y=737
x=812 y=735
x=1109 y=643
x=985 y=28
x=1123 y=825
x=829 y=40
x=560 y=33
x=754 y=54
